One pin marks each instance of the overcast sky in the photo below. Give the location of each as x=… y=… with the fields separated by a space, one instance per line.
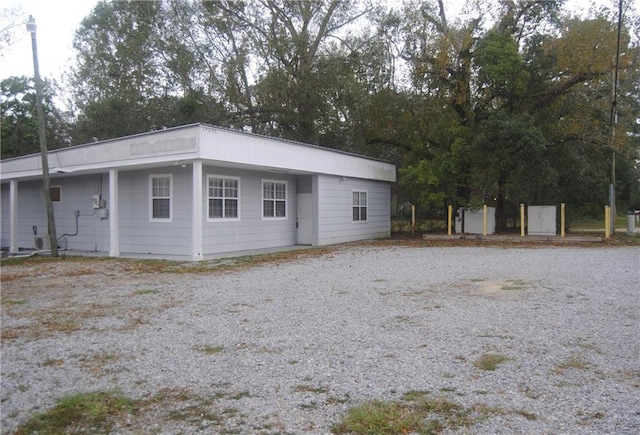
x=57 y=21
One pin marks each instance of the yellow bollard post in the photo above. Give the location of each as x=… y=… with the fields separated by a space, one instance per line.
x=484 y=220
x=521 y=220
x=607 y=221
x=562 y=220
x=449 y=216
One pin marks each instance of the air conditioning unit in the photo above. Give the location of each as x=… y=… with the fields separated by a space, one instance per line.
x=41 y=243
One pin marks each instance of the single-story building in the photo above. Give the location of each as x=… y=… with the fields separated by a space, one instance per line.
x=194 y=192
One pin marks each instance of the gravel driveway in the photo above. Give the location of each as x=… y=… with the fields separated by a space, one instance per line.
x=289 y=347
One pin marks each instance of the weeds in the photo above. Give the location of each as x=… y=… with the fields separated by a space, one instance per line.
x=514 y=285
x=81 y=413
x=13 y=302
x=302 y=388
x=490 y=361
x=575 y=362
x=105 y=412
x=146 y=291
x=97 y=361
x=209 y=350
x=415 y=413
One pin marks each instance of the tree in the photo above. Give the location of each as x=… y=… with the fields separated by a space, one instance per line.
x=117 y=70
x=19 y=121
x=11 y=18
x=531 y=86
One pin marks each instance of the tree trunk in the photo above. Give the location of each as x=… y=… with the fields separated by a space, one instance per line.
x=501 y=210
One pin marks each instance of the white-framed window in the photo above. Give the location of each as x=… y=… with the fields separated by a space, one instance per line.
x=160 y=197
x=274 y=199
x=359 y=206
x=56 y=193
x=223 y=197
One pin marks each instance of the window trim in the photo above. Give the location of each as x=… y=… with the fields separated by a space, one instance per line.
x=223 y=218
x=286 y=199
x=51 y=189
x=360 y=207
x=151 y=197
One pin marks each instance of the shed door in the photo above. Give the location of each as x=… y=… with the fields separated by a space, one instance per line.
x=305 y=218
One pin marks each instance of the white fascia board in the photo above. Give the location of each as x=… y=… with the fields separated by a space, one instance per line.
x=212 y=144
x=154 y=148
x=259 y=151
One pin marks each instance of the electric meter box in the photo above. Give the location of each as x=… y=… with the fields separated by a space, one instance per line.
x=541 y=220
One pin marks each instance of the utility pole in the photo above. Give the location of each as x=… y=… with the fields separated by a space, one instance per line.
x=51 y=224
x=613 y=121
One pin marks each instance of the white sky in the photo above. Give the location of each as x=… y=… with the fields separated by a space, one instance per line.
x=57 y=21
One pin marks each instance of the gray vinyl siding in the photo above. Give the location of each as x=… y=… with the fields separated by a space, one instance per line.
x=335 y=218
x=139 y=235
x=251 y=231
x=5 y=236
x=76 y=194
x=31 y=211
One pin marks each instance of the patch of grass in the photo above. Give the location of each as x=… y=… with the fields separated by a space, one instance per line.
x=13 y=302
x=514 y=284
x=10 y=333
x=223 y=264
x=575 y=362
x=413 y=395
x=194 y=414
x=209 y=350
x=406 y=320
x=80 y=413
x=490 y=361
x=380 y=418
x=97 y=361
x=50 y=326
x=109 y=412
x=592 y=224
x=238 y=395
x=79 y=272
x=415 y=413
x=588 y=346
x=526 y=414
x=145 y=291
x=303 y=388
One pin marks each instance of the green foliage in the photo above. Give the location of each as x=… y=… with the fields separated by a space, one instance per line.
x=415 y=413
x=501 y=72
x=421 y=183
x=19 y=127
x=490 y=361
x=519 y=111
x=80 y=413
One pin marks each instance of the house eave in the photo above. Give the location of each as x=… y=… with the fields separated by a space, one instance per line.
x=212 y=145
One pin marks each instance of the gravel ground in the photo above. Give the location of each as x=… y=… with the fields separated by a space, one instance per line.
x=289 y=347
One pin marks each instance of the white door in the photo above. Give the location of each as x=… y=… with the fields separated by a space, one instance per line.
x=305 y=219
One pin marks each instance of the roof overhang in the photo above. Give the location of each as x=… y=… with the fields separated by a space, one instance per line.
x=213 y=145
